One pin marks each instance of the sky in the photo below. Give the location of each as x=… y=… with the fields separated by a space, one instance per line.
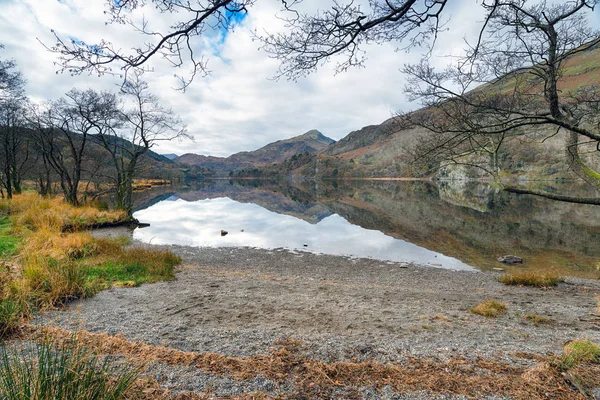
x=238 y=107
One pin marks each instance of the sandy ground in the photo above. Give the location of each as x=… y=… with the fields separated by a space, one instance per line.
x=241 y=301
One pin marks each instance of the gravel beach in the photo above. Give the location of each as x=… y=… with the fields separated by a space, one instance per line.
x=241 y=302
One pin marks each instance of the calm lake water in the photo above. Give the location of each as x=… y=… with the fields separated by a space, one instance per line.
x=456 y=226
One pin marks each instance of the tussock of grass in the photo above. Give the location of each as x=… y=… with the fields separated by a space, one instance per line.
x=489 y=308
x=65 y=371
x=531 y=279
x=537 y=319
x=579 y=352
x=12 y=312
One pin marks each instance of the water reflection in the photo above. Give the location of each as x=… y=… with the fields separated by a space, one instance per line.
x=199 y=223
x=399 y=221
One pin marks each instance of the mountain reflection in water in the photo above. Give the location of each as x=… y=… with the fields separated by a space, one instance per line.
x=446 y=225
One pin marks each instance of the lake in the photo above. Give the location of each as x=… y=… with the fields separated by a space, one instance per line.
x=454 y=225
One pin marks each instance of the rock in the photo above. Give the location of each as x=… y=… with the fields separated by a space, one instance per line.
x=223 y=233
x=305 y=245
x=498 y=269
x=510 y=259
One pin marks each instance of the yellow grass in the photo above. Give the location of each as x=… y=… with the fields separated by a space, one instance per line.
x=56 y=264
x=531 y=279
x=36 y=213
x=490 y=308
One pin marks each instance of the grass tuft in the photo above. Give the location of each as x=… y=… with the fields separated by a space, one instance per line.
x=537 y=319
x=65 y=371
x=531 y=279
x=489 y=308
x=12 y=312
x=579 y=352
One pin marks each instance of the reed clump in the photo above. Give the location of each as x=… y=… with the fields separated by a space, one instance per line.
x=49 y=370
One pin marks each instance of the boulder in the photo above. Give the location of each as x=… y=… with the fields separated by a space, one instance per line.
x=510 y=259
x=223 y=233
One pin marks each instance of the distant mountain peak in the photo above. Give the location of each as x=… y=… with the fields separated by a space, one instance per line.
x=316 y=135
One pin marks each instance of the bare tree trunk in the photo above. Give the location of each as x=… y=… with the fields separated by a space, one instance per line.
x=577 y=164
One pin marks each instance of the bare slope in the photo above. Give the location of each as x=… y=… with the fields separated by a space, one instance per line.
x=383 y=150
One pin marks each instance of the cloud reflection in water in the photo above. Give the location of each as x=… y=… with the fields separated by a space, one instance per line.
x=199 y=223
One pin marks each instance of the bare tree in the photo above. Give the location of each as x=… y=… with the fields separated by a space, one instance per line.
x=341 y=29
x=63 y=129
x=519 y=61
x=13 y=142
x=313 y=39
x=143 y=123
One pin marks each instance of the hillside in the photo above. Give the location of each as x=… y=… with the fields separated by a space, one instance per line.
x=384 y=150
x=310 y=142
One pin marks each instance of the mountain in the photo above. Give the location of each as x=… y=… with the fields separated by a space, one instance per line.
x=310 y=142
x=170 y=156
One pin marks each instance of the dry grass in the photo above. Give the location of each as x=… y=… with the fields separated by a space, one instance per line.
x=34 y=212
x=537 y=319
x=56 y=266
x=531 y=279
x=311 y=378
x=490 y=308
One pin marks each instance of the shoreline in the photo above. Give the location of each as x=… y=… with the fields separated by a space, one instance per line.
x=241 y=302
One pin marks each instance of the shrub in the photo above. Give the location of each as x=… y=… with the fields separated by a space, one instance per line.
x=67 y=371
x=531 y=279
x=489 y=308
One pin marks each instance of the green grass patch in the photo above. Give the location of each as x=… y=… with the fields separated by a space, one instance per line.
x=8 y=241
x=579 y=352
x=132 y=268
x=531 y=279
x=62 y=371
x=490 y=308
